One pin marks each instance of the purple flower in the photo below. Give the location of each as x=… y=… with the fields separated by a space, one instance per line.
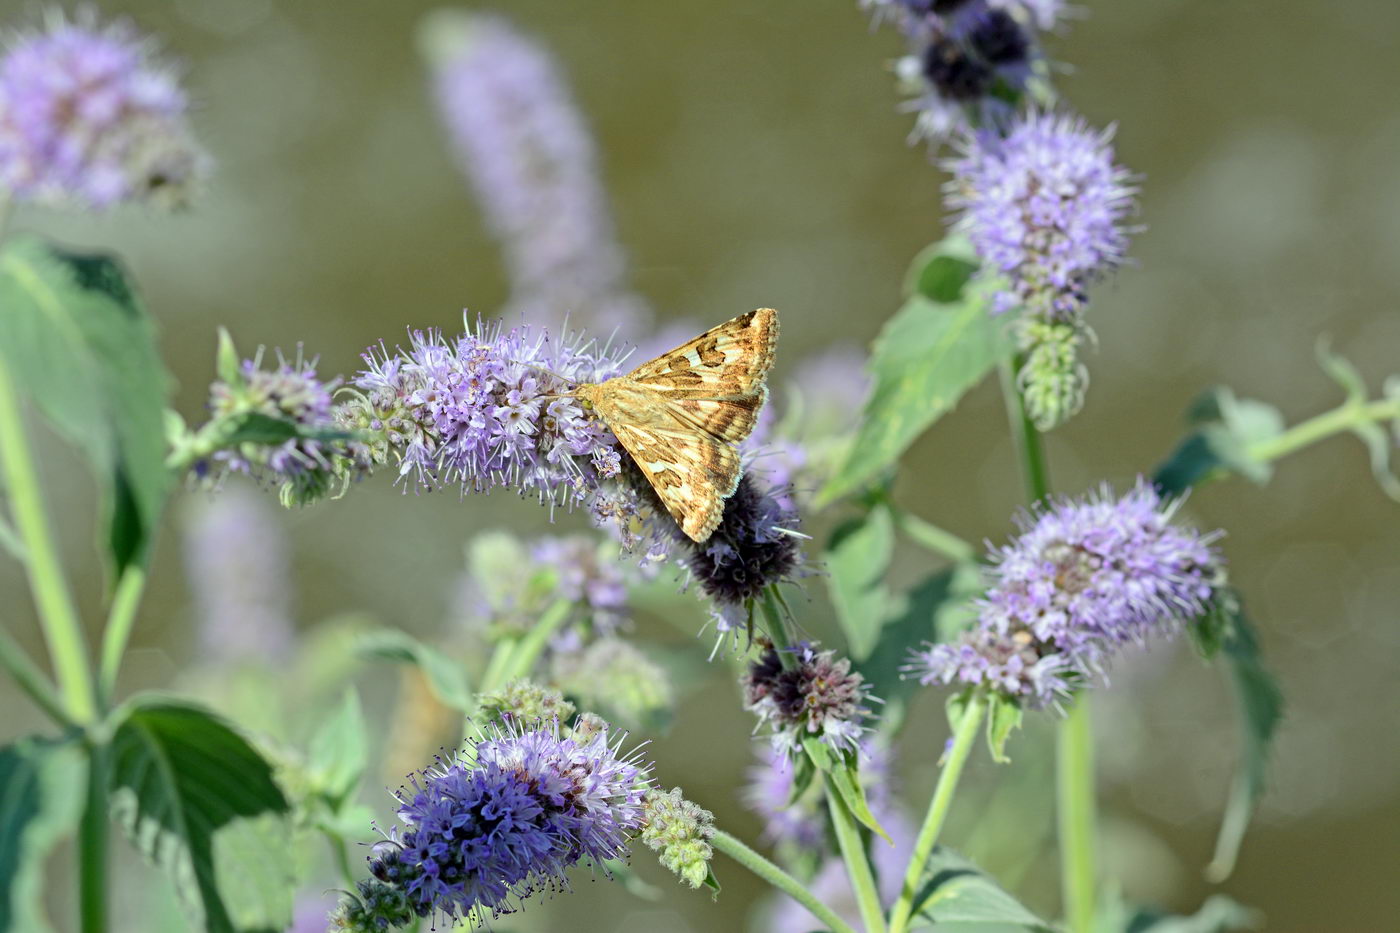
x=305 y=466
x=528 y=154
x=1084 y=578
x=238 y=567
x=586 y=574
x=510 y=818
x=486 y=409
x=87 y=117
x=768 y=793
x=818 y=696
x=1045 y=206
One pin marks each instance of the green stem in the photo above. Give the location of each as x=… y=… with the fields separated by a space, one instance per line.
x=57 y=613
x=120 y=620
x=777 y=628
x=963 y=738
x=92 y=848
x=15 y=660
x=779 y=879
x=341 y=854
x=934 y=538
x=1075 y=784
x=529 y=649
x=1029 y=443
x=857 y=862
x=1324 y=425
x=491 y=678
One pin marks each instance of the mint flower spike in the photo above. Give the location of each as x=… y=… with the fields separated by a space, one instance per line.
x=527 y=152
x=1046 y=207
x=90 y=119
x=1084 y=579
x=679 y=831
x=489 y=827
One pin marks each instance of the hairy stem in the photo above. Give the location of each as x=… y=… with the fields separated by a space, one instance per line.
x=857 y=862
x=963 y=738
x=16 y=661
x=92 y=847
x=771 y=873
x=121 y=618
x=1076 y=813
x=47 y=583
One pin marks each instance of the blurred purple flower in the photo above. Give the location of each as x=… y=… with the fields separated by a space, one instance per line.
x=87 y=117
x=238 y=568
x=768 y=793
x=528 y=154
x=493 y=826
x=1046 y=207
x=1084 y=578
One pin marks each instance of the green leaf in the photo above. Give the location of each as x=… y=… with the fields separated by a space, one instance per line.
x=228 y=365
x=198 y=800
x=856 y=561
x=1004 y=717
x=1225 y=429
x=843 y=773
x=83 y=350
x=1373 y=435
x=43 y=783
x=446 y=678
x=1219 y=914
x=926 y=357
x=1260 y=711
x=913 y=621
x=339 y=752
x=956 y=891
x=941 y=270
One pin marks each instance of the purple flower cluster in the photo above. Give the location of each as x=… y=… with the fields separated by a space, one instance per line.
x=510 y=819
x=1084 y=578
x=306 y=465
x=819 y=695
x=970 y=61
x=88 y=118
x=1044 y=206
x=587 y=575
x=486 y=409
x=528 y=154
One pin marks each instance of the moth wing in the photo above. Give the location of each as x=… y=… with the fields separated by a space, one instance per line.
x=692 y=471
x=729 y=361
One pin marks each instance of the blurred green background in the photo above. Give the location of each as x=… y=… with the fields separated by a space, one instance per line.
x=754 y=156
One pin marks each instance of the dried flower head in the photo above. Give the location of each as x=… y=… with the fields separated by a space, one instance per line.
x=818 y=695
x=89 y=118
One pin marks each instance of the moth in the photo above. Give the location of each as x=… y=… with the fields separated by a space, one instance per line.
x=682 y=416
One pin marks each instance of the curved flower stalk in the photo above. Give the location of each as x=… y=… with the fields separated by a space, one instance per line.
x=1046 y=207
x=90 y=118
x=528 y=154
x=1085 y=578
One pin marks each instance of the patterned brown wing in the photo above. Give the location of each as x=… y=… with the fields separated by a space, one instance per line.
x=729 y=361
x=691 y=472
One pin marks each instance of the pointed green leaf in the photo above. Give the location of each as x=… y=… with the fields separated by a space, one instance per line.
x=198 y=800
x=83 y=350
x=228 y=366
x=1226 y=428
x=339 y=752
x=941 y=270
x=1260 y=711
x=1004 y=717
x=955 y=891
x=446 y=678
x=1373 y=435
x=856 y=561
x=926 y=357
x=842 y=773
x=43 y=783
x=1219 y=914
